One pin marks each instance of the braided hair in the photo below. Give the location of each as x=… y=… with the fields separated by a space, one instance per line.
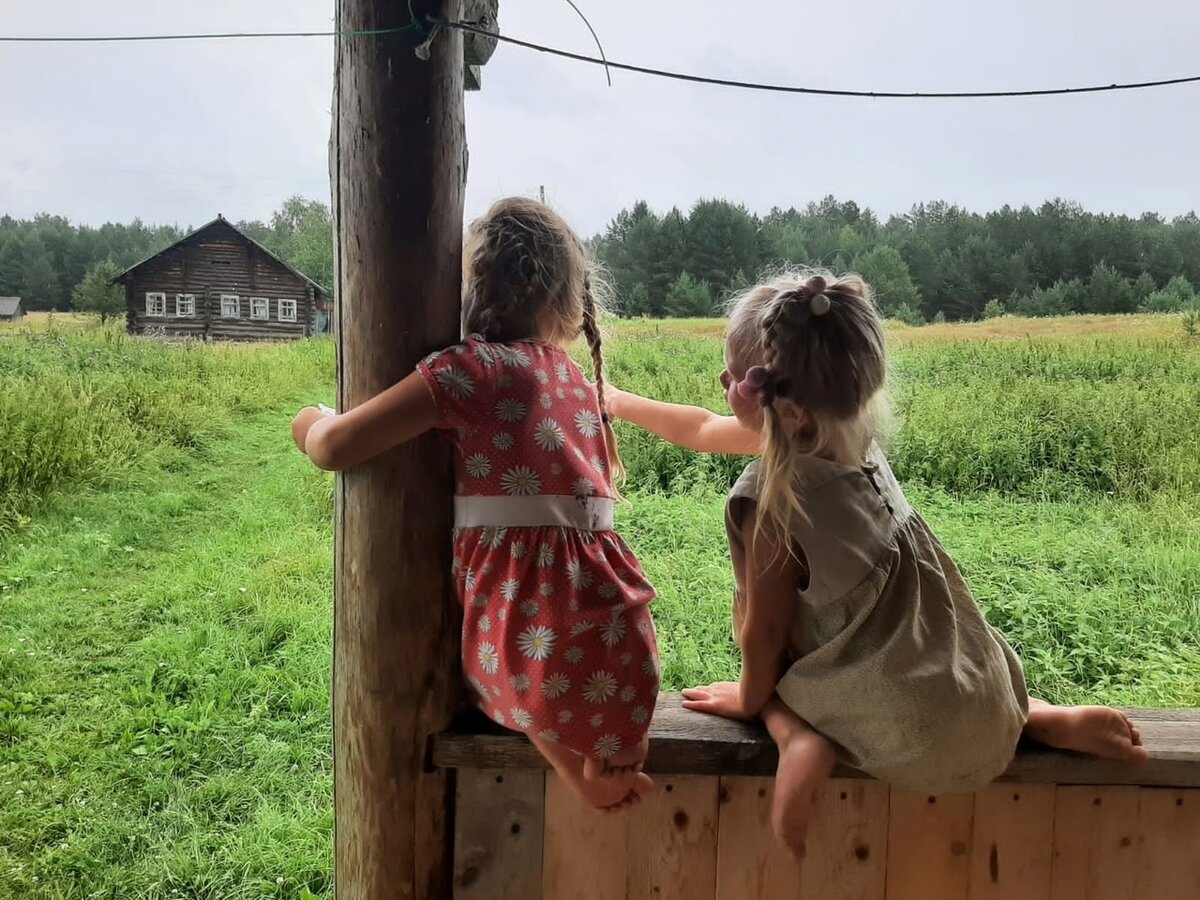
x=527 y=274
x=814 y=353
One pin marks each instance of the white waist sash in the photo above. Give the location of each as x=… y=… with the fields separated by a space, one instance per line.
x=584 y=513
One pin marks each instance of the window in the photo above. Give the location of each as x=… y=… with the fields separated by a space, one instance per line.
x=260 y=308
x=156 y=305
x=185 y=306
x=287 y=310
x=230 y=306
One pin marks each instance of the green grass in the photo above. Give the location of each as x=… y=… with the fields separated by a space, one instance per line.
x=165 y=613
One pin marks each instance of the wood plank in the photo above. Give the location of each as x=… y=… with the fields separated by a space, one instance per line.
x=929 y=846
x=1169 y=847
x=584 y=856
x=498 y=827
x=1095 y=843
x=1011 y=846
x=750 y=862
x=672 y=851
x=687 y=743
x=846 y=857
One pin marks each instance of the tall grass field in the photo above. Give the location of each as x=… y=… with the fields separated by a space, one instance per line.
x=166 y=567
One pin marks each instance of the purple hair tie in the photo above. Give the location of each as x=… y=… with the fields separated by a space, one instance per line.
x=753 y=382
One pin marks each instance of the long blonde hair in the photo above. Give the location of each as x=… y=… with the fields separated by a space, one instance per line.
x=820 y=347
x=526 y=274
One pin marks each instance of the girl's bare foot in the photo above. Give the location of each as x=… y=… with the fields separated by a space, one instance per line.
x=625 y=762
x=805 y=761
x=1095 y=730
x=613 y=794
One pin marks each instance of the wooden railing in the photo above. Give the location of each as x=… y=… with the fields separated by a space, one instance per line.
x=1057 y=826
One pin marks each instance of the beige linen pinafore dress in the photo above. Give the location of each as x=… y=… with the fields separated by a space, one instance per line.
x=890 y=658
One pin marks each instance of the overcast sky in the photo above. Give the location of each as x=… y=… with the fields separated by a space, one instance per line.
x=177 y=132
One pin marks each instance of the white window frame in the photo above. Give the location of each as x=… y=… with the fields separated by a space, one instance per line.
x=188 y=300
x=237 y=306
x=266 y=308
x=290 y=306
x=156 y=305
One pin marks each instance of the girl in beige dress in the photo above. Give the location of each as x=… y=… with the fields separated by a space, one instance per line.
x=860 y=640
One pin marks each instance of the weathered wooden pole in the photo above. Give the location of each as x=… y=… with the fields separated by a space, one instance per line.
x=397 y=155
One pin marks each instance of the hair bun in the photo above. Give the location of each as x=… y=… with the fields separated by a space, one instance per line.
x=815 y=285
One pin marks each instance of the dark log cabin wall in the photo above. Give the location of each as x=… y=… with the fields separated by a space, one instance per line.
x=222 y=272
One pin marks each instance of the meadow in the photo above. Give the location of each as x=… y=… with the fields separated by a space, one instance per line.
x=166 y=570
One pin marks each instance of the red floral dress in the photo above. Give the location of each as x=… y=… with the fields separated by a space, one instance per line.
x=557 y=637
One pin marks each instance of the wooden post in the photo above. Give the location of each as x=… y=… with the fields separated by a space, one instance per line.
x=397 y=159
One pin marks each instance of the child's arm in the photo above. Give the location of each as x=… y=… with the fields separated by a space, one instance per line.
x=773 y=574
x=398 y=415
x=687 y=426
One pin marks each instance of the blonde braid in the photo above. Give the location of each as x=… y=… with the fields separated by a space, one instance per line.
x=591 y=331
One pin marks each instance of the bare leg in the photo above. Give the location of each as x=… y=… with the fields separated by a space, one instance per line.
x=1095 y=730
x=805 y=761
x=611 y=794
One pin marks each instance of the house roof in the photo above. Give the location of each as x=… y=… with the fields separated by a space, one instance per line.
x=220 y=220
x=9 y=305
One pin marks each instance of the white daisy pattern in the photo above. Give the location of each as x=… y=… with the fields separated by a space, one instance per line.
x=520 y=718
x=587 y=423
x=537 y=641
x=599 y=687
x=606 y=745
x=549 y=435
x=510 y=410
x=613 y=631
x=478 y=465
x=488 y=660
x=556 y=636
x=521 y=481
x=579 y=577
x=555 y=686
x=513 y=356
x=456 y=382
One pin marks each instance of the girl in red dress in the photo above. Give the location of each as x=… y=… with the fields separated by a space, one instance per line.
x=557 y=638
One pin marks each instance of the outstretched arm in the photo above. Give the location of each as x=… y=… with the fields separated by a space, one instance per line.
x=336 y=442
x=686 y=426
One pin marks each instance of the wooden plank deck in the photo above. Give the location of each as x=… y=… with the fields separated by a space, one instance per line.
x=1058 y=827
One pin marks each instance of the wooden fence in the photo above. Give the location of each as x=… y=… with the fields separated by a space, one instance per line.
x=1056 y=827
